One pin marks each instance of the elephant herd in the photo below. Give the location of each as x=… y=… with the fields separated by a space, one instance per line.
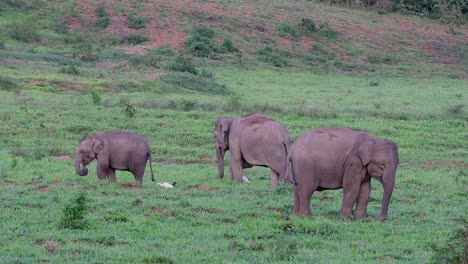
x=320 y=159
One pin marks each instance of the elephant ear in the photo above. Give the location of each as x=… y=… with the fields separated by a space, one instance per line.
x=223 y=127
x=97 y=145
x=364 y=151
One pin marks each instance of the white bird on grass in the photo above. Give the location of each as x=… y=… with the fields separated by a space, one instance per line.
x=245 y=179
x=166 y=184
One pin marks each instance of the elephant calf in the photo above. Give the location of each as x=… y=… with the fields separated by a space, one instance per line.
x=116 y=150
x=334 y=158
x=253 y=140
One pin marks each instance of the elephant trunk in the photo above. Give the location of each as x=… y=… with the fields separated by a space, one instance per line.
x=220 y=160
x=388 y=184
x=80 y=171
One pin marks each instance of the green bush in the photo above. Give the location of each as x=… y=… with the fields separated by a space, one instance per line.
x=21 y=4
x=183 y=64
x=74 y=213
x=200 y=43
x=103 y=20
x=307 y=26
x=456 y=249
x=155 y=58
x=25 y=31
x=71 y=68
x=8 y=84
x=136 y=39
x=195 y=83
x=270 y=55
x=284 y=29
x=228 y=46
x=138 y=22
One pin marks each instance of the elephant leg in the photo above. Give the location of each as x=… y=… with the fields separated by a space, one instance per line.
x=138 y=174
x=235 y=167
x=363 y=200
x=274 y=178
x=350 y=194
x=302 y=197
x=111 y=175
x=102 y=173
x=297 y=204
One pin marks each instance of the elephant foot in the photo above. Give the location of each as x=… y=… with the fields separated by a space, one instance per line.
x=381 y=217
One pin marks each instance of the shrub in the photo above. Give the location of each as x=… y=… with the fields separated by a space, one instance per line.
x=285 y=29
x=183 y=64
x=456 y=249
x=74 y=213
x=307 y=26
x=25 y=31
x=195 y=83
x=7 y=84
x=72 y=69
x=97 y=100
x=201 y=42
x=136 y=39
x=21 y=4
x=128 y=108
x=103 y=20
x=228 y=46
x=270 y=55
x=138 y=22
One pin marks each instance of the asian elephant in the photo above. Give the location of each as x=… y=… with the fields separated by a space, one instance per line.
x=335 y=158
x=253 y=140
x=116 y=150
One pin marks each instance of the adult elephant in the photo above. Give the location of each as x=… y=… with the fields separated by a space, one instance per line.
x=253 y=140
x=116 y=150
x=334 y=158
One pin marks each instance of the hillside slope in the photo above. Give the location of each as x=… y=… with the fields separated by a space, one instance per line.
x=350 y=40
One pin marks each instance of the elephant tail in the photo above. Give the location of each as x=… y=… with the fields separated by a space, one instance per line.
x=290 y=171
x=151 y=166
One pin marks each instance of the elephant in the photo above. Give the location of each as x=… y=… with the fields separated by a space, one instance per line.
x=334 y=158
x=115 y=150
x=253 y=140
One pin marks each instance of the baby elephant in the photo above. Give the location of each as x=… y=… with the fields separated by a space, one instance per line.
x=334 y=158
x=116 y=150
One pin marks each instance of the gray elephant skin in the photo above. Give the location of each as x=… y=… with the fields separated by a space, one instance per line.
x=253 y=140
x=335 y=158
x=116 y=150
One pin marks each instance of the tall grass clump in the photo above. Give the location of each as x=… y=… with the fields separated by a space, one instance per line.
x=74 y=213
x=155 y=58
x=195 y=83
x=271 y=55
x=23 y=30
x=138 y=22
x=201 y=43
x=8 y=84
x=455 y=250
x=183 y=64
x=285 y=29
x=103 y=20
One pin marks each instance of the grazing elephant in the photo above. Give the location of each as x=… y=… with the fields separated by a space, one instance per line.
x=116 y=150
x=254 y=140
x=334 y=158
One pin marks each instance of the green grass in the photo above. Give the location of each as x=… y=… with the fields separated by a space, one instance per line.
x=231 y=222
x=45 y=112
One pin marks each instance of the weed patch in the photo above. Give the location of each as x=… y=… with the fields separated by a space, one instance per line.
x=74 y=213
x=195 y=83
x=271 y=55
x=138 y=22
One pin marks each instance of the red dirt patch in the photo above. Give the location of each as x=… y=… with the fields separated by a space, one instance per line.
x=9 y=183
x=56 y=182
x=208 y=210
x=73 y=86
x=202 y=187
x=74 y=183
x=38 y=82
x=51 y=246
x=44 y=189
x=444 y=163
x=62 y=158
x=34 y=184
x=162 y=211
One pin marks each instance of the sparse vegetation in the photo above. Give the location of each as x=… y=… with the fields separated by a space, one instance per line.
x=74 y=213
x=138 y=22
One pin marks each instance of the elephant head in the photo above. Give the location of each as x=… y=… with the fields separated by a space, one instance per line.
x=380 y=157
x=221 y=138
x=86 y=152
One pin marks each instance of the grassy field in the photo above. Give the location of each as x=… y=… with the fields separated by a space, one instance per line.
x=58 y=85
x=206 y=219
